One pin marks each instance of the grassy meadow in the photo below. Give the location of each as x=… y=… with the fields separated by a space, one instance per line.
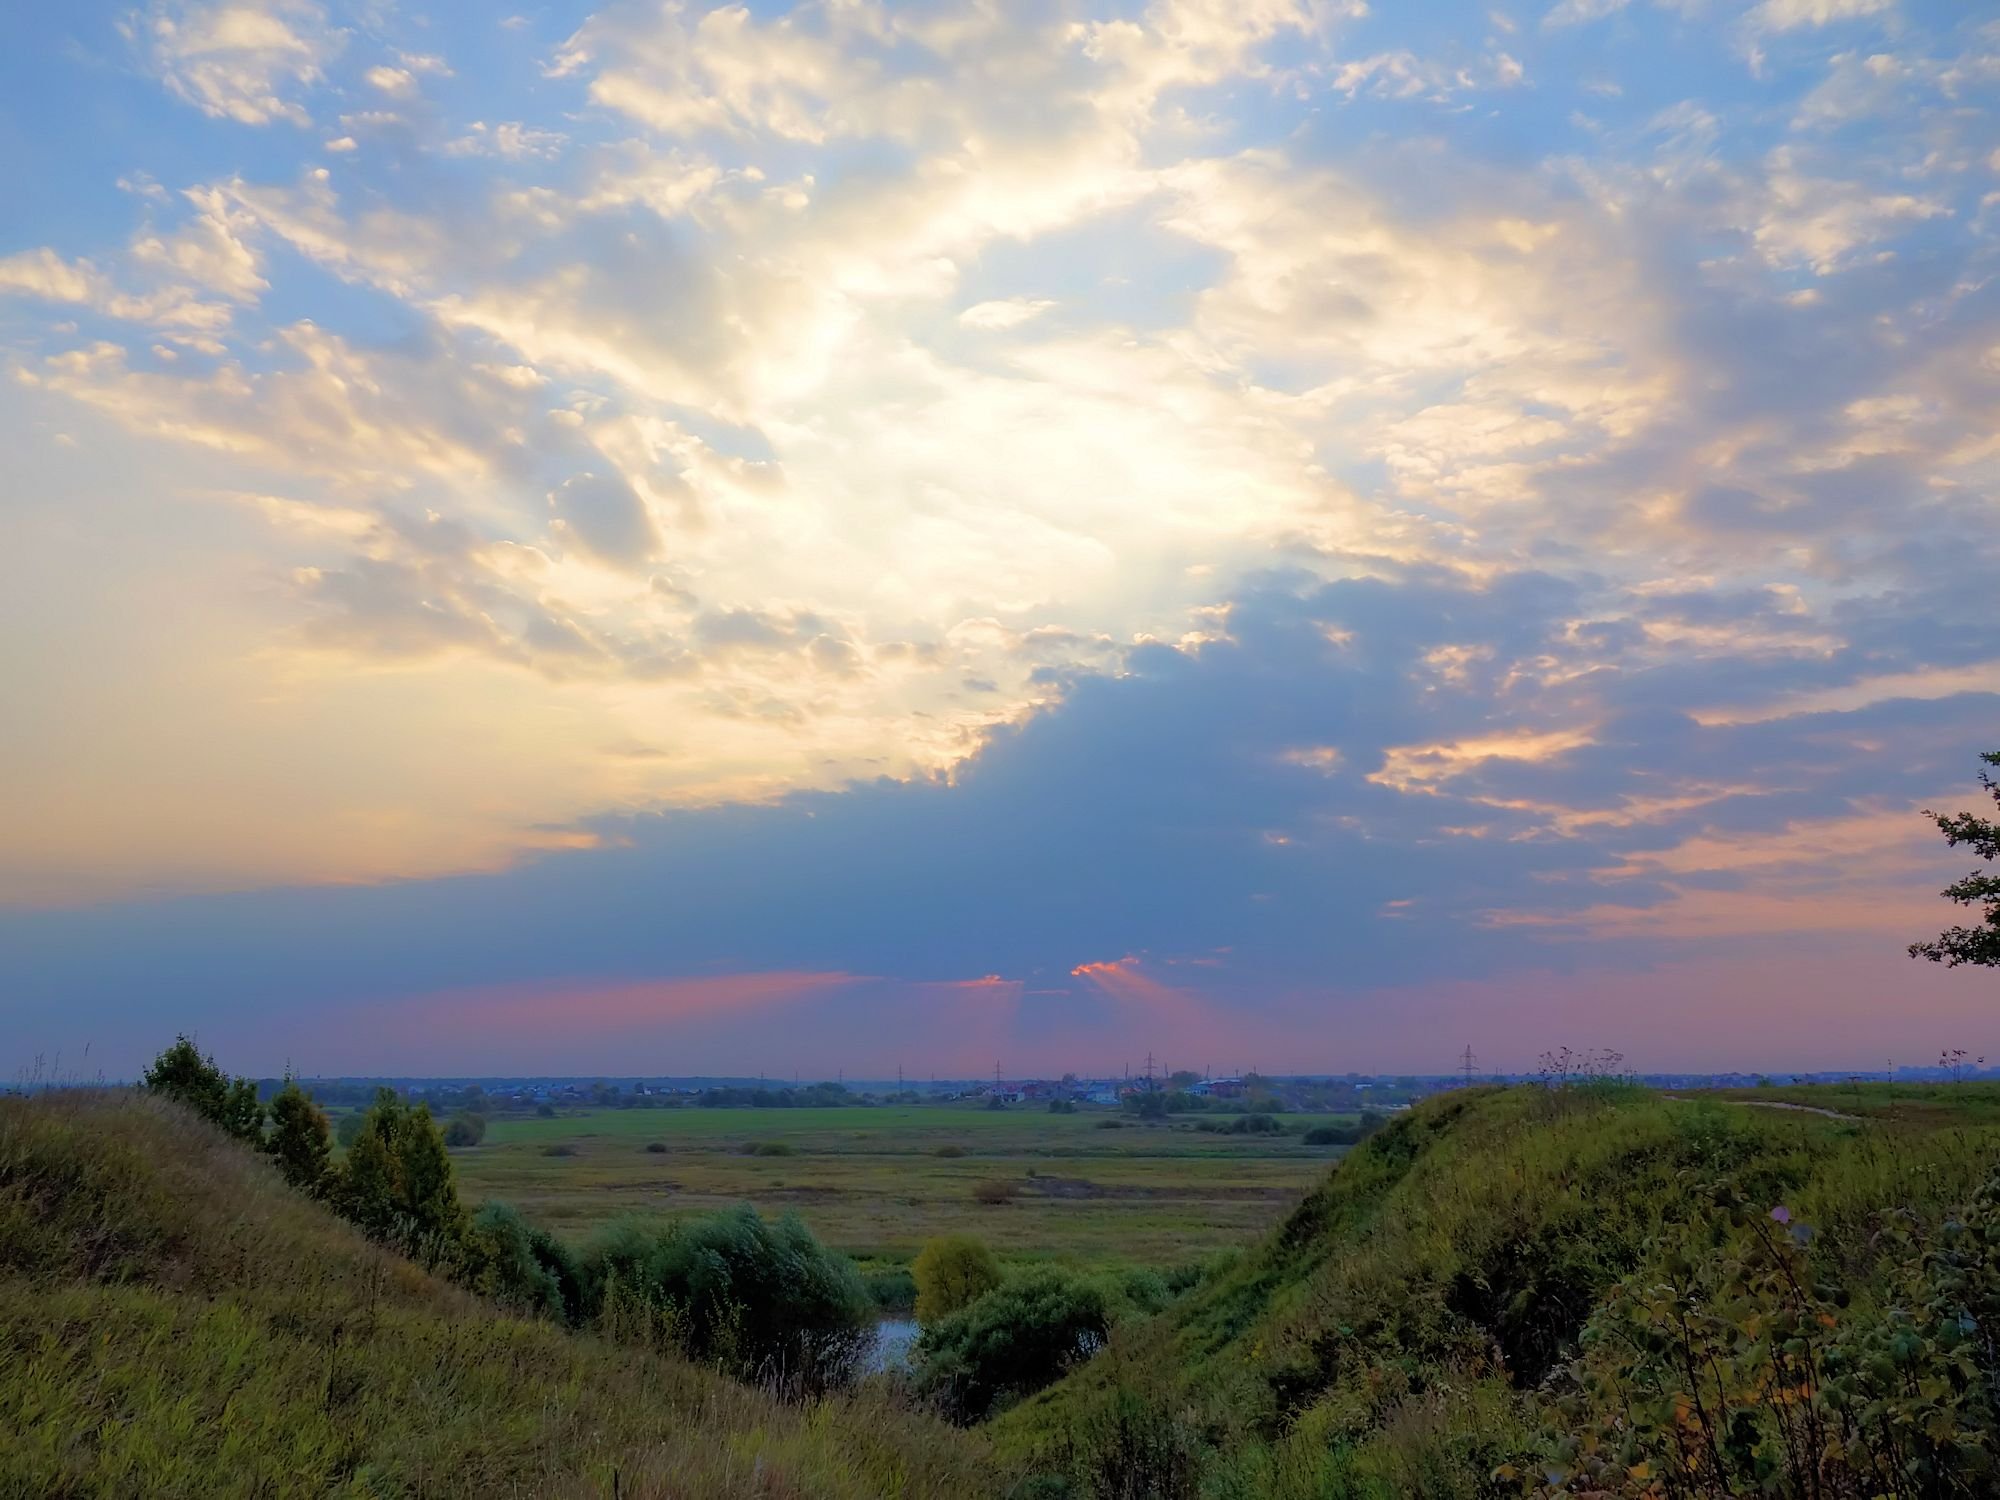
x=876 y=1182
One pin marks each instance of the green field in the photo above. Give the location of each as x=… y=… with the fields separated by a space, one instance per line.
x=872 y=1181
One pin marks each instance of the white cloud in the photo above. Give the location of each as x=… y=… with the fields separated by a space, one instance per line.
x=243 y=60
x=1789 y=15
x=1004 y=313
x=1577 y=12
x=1822 y=222
x=397 y=83
x=510 y=140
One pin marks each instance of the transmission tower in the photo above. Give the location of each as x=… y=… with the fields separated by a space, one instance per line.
x=1468 y=1064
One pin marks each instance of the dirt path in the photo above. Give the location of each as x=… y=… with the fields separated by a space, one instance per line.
x=1804 y=1109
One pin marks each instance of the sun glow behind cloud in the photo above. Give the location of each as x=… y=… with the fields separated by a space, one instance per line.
x=437 y=445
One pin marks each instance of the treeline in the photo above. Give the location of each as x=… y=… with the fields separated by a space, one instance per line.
x=764 y=1300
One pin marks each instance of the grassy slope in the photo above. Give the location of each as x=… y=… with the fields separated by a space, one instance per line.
x=174 y=1321
x=1387 y=1338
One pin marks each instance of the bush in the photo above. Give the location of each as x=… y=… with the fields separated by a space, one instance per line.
x=520 y=1265
x=397 y=1181
x=993 y=1192
x=1344 y=1135
x=465 y=1129
x=1013 y=1341
x=1062 y=1106
x=561 y=1148
x=300 y=1143
x=545 y=1111
x=769 y=1148
x=763 y=1299
x=657 y=1148
x=949 y=1151
x=952 y=1271
x=892 y=1289
x=348 y=1131
x=1110 y=1124
x=182 y=1073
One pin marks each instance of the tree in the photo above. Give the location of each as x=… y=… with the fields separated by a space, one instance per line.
x=1981 y=944
x=952 y=1271
x=466 y=1129
x=397 y=1181
x=182 y=1073
x=300 y=1142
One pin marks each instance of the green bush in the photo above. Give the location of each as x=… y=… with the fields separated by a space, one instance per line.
x=1013 y=1341
x=397 y=1182
x=465 y=1129
x=182 y=1073
x=300 y=1142
x=769 y=1148
x=1345 y=1135
x=761 y=1298
x=952 y=1271
x=891 y=1289
x=521 y=1265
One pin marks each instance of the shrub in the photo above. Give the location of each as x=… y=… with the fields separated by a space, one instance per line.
x=348 y=1131
x=545 y=1111
x=951 y=1272
x=1344 y=1135
x=657 y=1148
x=182 y=1073
x=1013 y=1341
x=769 y=1148
x=300 y=1143
x=993 y=1192
x=1110 y=1124
x=892 y=1289
x=1062 y=1106
x=523 y=1266
x=397 y=1181
x=561 y=1148
x=761 y=1298
x=465 y=1129
x=949 y=1151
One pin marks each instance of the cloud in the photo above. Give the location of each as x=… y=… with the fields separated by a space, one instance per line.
x=1790 y=15
x=242 y=60
x=607 y=517
x=1236 y=797
x=1005 y=313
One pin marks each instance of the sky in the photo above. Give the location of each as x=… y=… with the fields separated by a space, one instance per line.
x=785 y=539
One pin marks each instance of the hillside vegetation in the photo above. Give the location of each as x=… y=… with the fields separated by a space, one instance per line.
x=175 y=1320
x=1588 y=1291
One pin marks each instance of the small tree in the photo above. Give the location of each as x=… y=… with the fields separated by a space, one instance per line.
x=1981 y=944
x=397 y=1180
x=300 y=1141
x=952 y=1271
x=182 y=1073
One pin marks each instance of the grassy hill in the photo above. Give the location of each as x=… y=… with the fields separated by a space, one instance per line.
x=1599 y=1291
x=175 y=1321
